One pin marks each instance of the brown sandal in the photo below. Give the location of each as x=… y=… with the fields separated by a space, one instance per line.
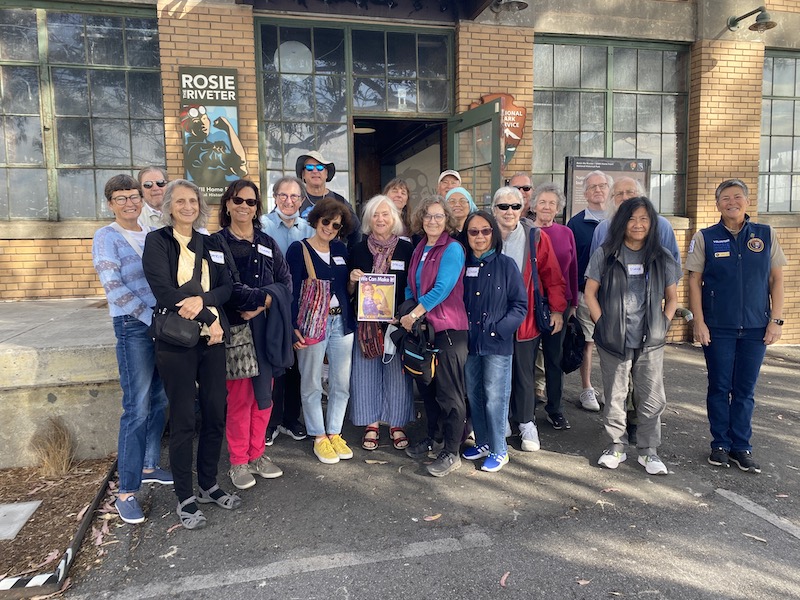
x=370 y=443
x=400 y=442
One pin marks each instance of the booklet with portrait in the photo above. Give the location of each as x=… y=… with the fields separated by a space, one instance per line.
x=376 y=295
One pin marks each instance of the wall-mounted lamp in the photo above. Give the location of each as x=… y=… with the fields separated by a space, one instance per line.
x=763 y=20
x=361 y=128
x=508 y=6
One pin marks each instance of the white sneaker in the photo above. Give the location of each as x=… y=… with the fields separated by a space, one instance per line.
x=653 y=464
x=589 y=400
x=610 y=459
x=530 y=436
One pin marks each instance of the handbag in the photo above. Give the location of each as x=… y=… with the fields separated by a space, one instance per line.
x=574 y=343
x=541 y=306
x=315 y=301
x=241 y=361
x=168 y=325
x=418 y=354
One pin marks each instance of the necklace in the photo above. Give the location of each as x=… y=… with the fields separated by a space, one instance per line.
x=248 y=236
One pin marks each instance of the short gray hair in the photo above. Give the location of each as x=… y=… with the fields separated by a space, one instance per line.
x=144 y=170
x=606 y=176
x=612 y=207
x=166 y=207
x=289 y=179
x=505 y=192
x=369 y=212
x=553 y=188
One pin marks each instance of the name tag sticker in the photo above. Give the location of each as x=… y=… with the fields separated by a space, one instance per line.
x=339 y=260
x=398 y=265
x=217 y=256
x=472 y=271
x=262 y=249
x=636 y=269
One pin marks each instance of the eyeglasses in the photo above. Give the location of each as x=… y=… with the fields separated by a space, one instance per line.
x=317 y=167
x=121 y=200
x=251 y=202
x=160 y=183
x=458 y=201
x=438 y=217
x=524 y=188
x=507 y=206
x=624 y=193
x=284 y=197
x=485 y=232
x=330 y=223
x=597 y=186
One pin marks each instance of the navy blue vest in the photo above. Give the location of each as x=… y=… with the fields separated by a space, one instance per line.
x=736 y=277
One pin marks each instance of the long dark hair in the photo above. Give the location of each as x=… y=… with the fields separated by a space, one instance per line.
x=233 y=189
x=497 y=238
x=616 y=230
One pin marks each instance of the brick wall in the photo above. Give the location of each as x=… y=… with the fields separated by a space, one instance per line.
x=783 y=6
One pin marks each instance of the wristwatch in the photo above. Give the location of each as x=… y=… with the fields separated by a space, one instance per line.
x=776 y=321
x=415 y=317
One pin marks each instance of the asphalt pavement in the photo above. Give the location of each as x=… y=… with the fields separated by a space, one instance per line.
x=551 y=524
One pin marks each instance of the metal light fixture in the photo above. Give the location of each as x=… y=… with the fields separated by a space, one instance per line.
x=508 y=6
x=763 y=20
x=361 y=128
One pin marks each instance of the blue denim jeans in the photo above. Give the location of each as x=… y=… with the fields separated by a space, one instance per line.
x=143 y=403
x=339 y=348
x=733 y=359
x=489 y=391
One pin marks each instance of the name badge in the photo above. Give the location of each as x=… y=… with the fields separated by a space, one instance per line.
x=217 y=256
x=398 y=265
x=265 y=251
x=636 y=269
x=721 y=254
x=339 y=260
x=472 y=271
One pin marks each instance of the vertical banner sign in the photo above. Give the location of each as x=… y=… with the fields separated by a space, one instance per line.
x=512 y=121
x=213 y=155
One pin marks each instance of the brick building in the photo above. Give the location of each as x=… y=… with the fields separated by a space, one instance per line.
x=92 y=89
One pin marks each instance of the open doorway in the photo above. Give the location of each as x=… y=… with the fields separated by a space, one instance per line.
x=387 y=148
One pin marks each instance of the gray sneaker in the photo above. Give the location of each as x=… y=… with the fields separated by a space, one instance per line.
x=425 y=448
x=264 y=466
x=241 y=477
x=530 y=436
x=444 y=464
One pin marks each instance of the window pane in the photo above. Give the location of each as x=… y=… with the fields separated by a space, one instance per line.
x=766 y=115
x=593 y=144
x=766 y=89
x=796 y=155
x=65 y=38
x=274 y=146
x=298 y=97
x=141 y=42
x=2 y=146
x=104 y=37
x=674 y=71
x=3 y=193
x=795 y=193
x=294 y=53
x=542 y=151
x=624 y=112
x=782 y=117
x=565 y=110
x=434 y=96
x=331 y=95
x=329 y=50
x=671 y=193
x=76 y=194
x=567 y=66
x=332 y=143
x=369 y=53
x=543 y=110
x=401 y=49
x=780 y=193
x=649 y=146
x=763 y=158
x=33 y=203
x=763 y=193
x=593 y=66
x=625 y=69
x=781 y=154
x=147 y=140
x=298 y=138
x=402 y=95
x=649 y=70
x=269 y=48
x=272 y=96
x=74 y=140
x=18 y=36
x=543 y=65
x=369 y=94
x=669 y=151
x=70 y=92
x=593 y=112
x=565 y=144
x=112 y=142
x=673 y=116
x=109 y=96
x=624 y=145
x=783 y=77
x=145 y=95
x=433 y=53
x=648 y=113
x=20 y=90
x=100 y=178
x=24 y=140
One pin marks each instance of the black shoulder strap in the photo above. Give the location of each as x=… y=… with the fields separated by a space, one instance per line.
x=226 y=250
x=534 y=241
x=198 y=259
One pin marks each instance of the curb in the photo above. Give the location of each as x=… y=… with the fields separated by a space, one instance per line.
x=49 y=583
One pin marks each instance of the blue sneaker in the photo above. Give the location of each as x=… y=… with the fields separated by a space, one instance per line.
x=476 y=452
x=158 y=475
x=495 y=462
x=129 y=510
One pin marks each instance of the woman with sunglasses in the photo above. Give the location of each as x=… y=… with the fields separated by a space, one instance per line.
x=328 y=257
x=436 y=284
x=496 y=305
x=261 y=280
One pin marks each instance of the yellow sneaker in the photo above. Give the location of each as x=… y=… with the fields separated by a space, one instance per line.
x=340 y=447
x=325 y=452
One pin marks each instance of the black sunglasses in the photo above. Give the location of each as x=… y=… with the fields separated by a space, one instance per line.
x=328 y=223
x=524 y=188
x=250 y=201
x=160 y=183
x=511 y=206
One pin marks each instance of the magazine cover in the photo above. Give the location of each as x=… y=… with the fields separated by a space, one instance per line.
x=376 y=297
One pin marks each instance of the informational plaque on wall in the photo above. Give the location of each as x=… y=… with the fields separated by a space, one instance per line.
x=578 y=168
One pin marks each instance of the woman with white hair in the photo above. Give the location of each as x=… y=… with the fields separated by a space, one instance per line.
x=379 y=391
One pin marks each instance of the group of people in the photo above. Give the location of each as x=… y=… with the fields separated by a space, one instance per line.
x=285 y=285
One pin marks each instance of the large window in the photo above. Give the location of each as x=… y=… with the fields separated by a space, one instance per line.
x=80 y=100
x=612 y=101
x=779 y=177
x=307 y=72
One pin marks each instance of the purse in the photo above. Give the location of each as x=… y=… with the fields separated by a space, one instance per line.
x=574 y=343
x=315 y=301
x=418 y=355
x=168 y=325
x=541 y=306
x=241 y=361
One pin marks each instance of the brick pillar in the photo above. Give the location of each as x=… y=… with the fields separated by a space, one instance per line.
x=493 y=59
x=724 y=123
